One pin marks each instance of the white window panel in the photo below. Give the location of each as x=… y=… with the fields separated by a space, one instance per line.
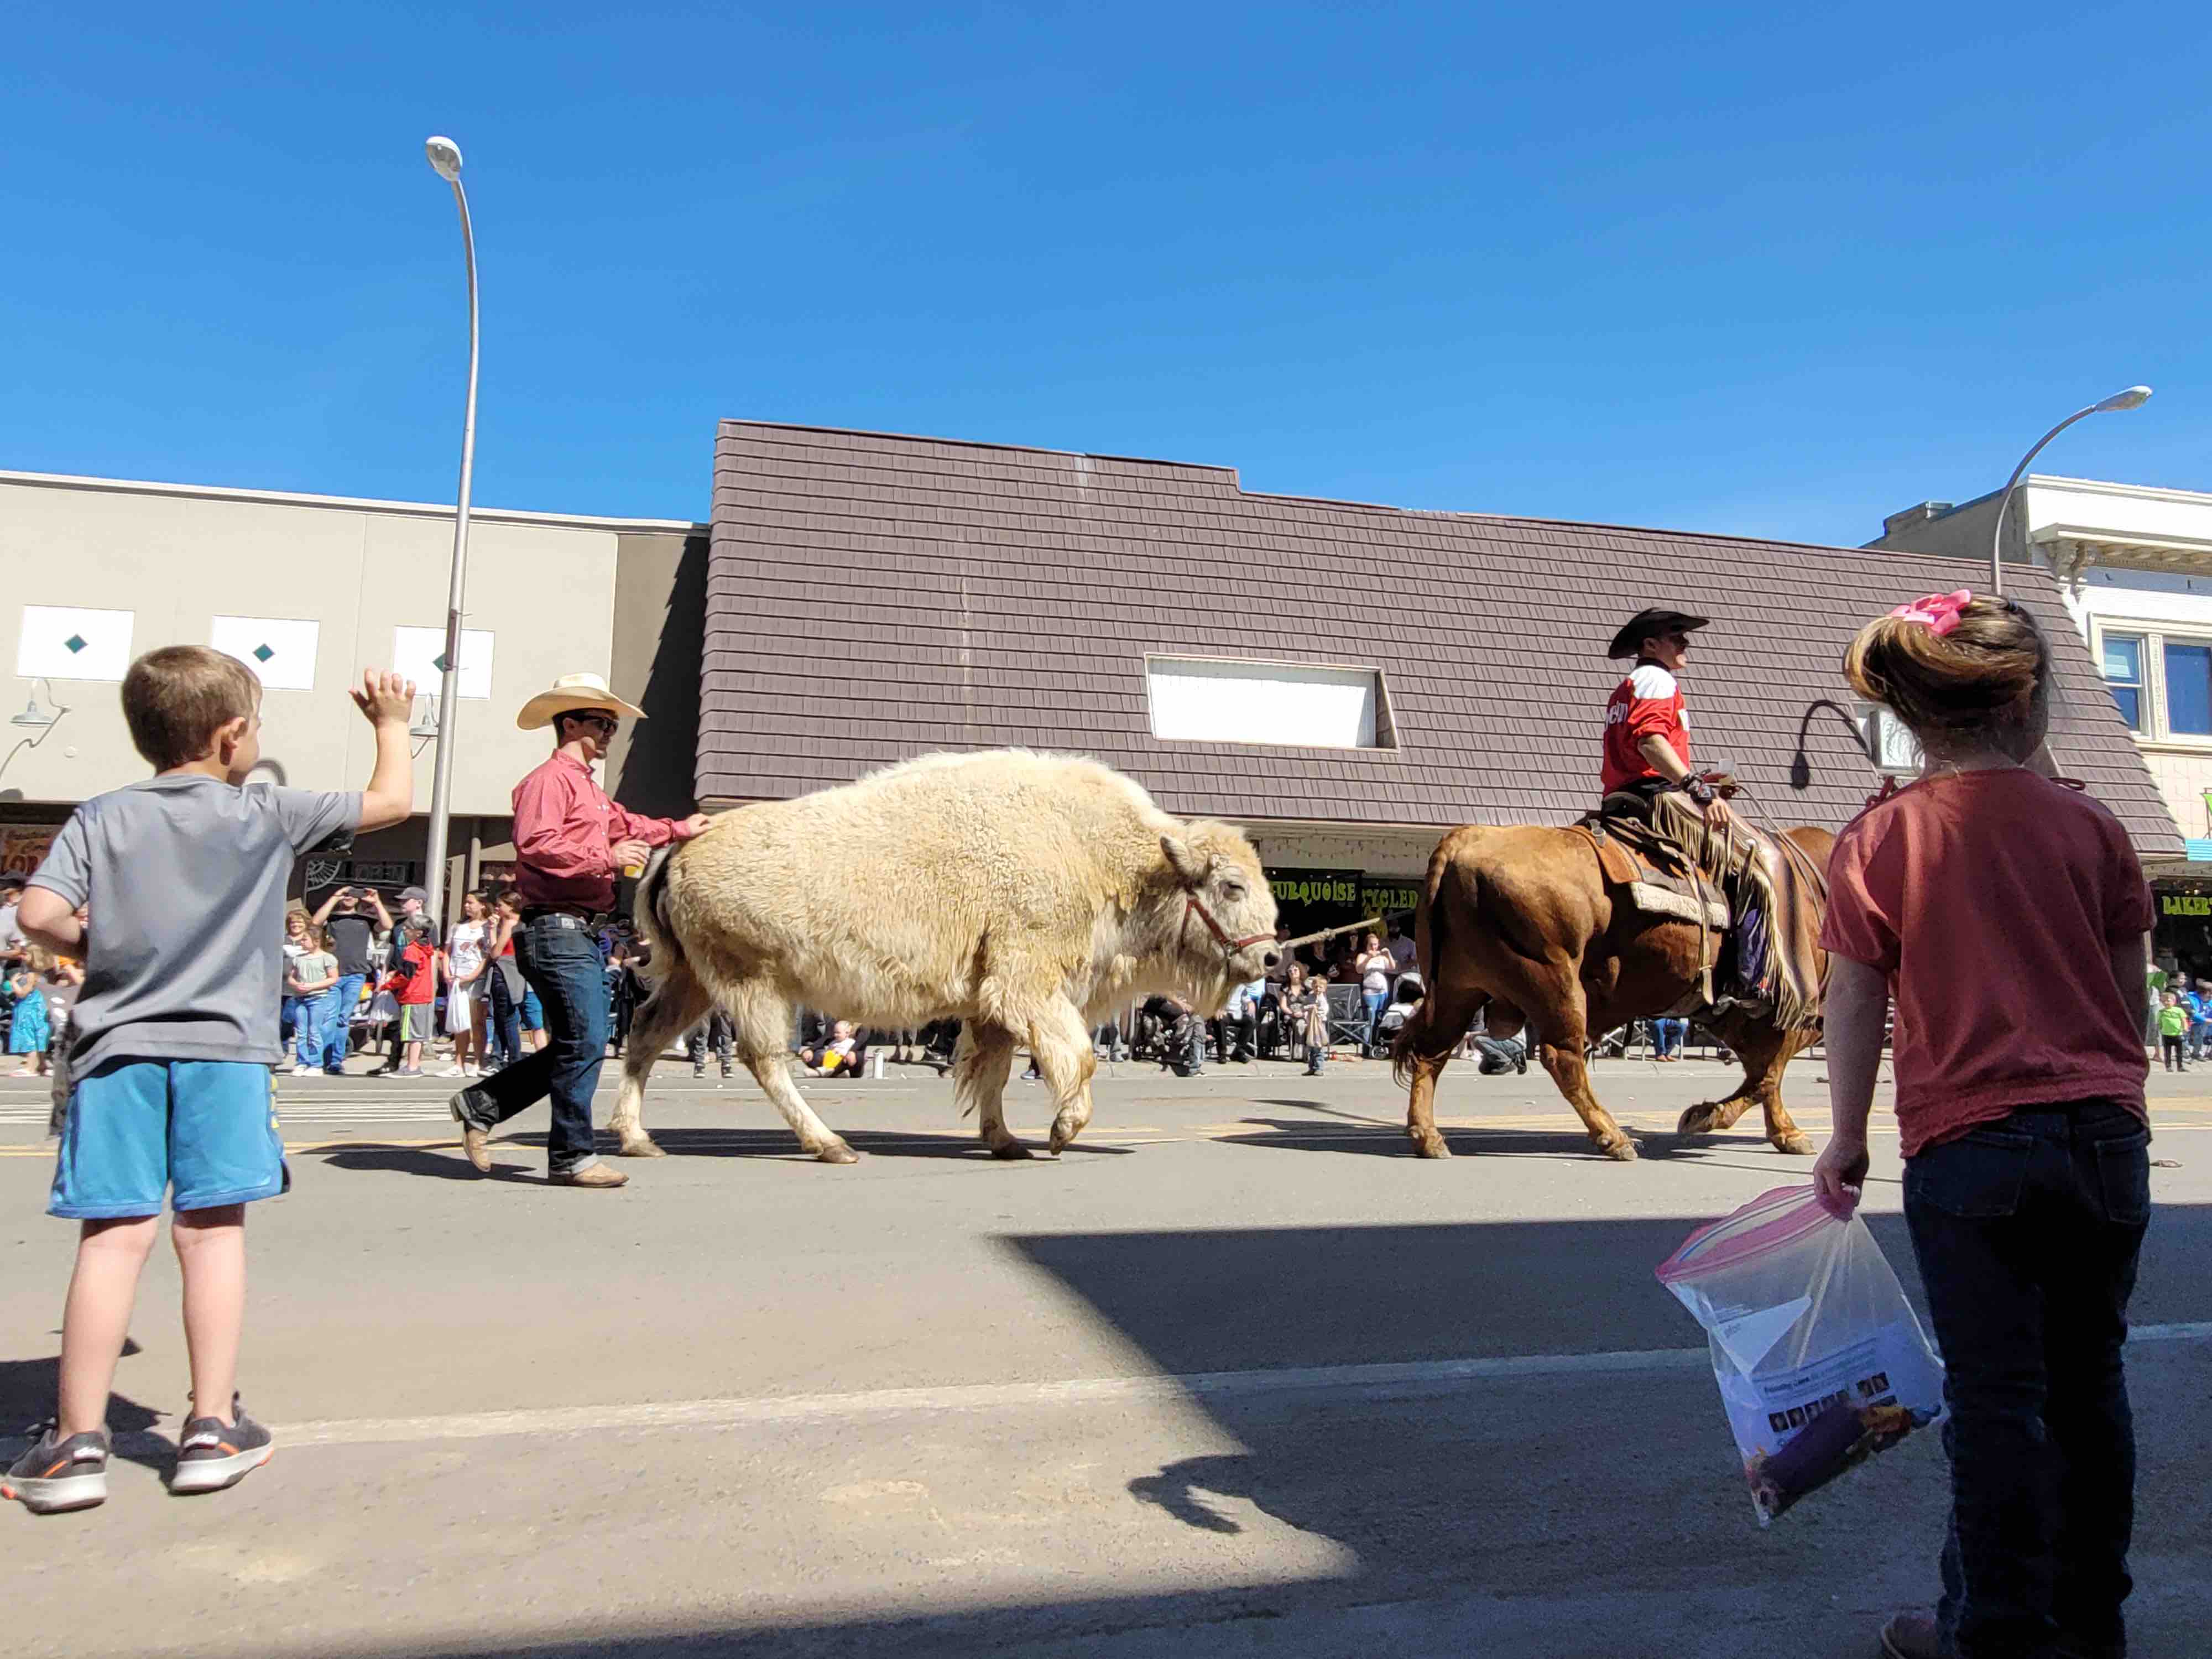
x=281 y=653
x=1204 y=700
x=60 y=643
x=415 y=651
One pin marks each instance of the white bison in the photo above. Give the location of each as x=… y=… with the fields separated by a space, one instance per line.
x=1025 y=895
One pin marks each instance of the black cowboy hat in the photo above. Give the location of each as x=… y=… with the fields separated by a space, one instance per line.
x=1653 y=622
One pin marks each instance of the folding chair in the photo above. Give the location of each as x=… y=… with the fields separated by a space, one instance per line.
x=1347 y=1016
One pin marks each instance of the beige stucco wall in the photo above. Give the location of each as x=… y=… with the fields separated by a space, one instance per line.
x=176 y=559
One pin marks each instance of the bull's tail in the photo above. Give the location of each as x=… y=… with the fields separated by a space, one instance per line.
x=1431 y=933
x=650 y=913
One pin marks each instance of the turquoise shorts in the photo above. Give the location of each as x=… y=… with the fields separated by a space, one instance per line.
x=138 y=1128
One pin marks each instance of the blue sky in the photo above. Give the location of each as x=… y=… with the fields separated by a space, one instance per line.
x=1746 y=269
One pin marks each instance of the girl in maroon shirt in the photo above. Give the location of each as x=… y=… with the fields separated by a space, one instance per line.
x=1982 y=898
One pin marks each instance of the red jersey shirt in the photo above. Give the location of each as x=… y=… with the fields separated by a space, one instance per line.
x=1991 y=900
x=1647 y=704
x=565 y=828
x=420 y=989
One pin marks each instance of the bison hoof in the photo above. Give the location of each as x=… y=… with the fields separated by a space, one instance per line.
x=836 y=1152
x=1431 y=1146
x=638 y=1146
x=1010 y=1150
x=1620 y=1149
x=1797 y=1143
x=1699 y=1121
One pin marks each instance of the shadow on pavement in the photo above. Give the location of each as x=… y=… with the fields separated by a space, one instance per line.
x=1556 y=1516
x=1365 y=1136
x=445 y=1163
x=27 y=1389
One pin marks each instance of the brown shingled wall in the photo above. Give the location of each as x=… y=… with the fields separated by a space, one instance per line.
x=873 y=596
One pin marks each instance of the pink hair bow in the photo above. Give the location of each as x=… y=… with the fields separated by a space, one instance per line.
x=1939 y=610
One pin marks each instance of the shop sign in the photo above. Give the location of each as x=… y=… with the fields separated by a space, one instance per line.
x=23 y=846
x=1315 y=886
x=361 y=872
x=2185 y=904
x=1383 y=896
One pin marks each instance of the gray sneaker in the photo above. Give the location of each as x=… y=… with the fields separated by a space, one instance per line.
x=56 y=1474
x=214 y=1455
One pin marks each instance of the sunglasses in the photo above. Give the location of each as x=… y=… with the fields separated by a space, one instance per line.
x=606 y=723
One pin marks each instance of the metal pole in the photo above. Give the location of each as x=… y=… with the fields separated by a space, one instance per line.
x=1996 y=535
x=442 y=777
x=2133 y=397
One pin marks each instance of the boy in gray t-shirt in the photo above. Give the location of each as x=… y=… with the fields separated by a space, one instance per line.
x=173 y=892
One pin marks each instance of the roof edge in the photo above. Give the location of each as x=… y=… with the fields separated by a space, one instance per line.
x=354 y=503
x=728 y=422
x=1294 y=499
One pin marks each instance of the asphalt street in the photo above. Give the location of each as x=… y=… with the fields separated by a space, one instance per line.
x=1236 y=1376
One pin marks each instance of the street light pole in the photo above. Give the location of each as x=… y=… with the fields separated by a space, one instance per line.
x=445 y=159
x=2134 y=398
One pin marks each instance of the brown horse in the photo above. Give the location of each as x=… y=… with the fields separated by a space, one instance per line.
x=1519 y=923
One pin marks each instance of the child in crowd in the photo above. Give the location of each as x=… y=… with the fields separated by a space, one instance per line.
x=28 y=1031
x=414 y=985
x=312 y=977
x=175 y=1037
x=838 y=1055
x=2026 y=1169
x=2174 y=1032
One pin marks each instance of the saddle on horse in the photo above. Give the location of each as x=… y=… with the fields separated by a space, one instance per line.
x=1756 y=902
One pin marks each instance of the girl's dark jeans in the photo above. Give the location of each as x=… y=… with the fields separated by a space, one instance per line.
x=2027 y=1232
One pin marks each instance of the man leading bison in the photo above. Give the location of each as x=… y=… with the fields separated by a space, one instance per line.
x=1580 y=929
x=1024 y=894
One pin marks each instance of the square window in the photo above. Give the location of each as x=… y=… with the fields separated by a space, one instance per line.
x=281 y=651
x=2188 y=690
x=59 y=642
x=419 y=653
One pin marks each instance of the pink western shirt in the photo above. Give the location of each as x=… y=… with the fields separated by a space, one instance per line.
x=565 y=828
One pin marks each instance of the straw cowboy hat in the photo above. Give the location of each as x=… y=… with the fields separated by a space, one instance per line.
x=571 y=692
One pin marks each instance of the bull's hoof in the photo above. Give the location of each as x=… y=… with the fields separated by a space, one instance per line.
x=1699 y=1119
x=836 y=1152
x=1797 y=1143
x=1430 y=1144
x=1011 y=1150
x=638 y=1146
x=1620 y=1149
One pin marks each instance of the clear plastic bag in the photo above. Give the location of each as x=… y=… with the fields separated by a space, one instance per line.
x=1820 y=1360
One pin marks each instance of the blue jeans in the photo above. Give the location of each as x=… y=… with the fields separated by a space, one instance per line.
x=1377 y=1001
x=313 y=1025
x=1668 y=1036
x=2027 y=1232
x=338 y=1022
x=560 y=963
x=287 y=1018
x=503 y=1026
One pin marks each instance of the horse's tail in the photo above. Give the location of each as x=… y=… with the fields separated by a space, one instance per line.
x=650 y=913
x=1431 y=930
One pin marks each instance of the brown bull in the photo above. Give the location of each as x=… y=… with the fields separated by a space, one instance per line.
x=1518 y=923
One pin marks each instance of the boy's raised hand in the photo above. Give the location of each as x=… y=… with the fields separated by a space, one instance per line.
x=385 y=698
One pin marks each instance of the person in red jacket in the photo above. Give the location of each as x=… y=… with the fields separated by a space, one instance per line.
x=1647 y=727
x=414 y=985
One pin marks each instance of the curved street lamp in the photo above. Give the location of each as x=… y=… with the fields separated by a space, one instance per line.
x=2134 y=398
x=446 y=161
